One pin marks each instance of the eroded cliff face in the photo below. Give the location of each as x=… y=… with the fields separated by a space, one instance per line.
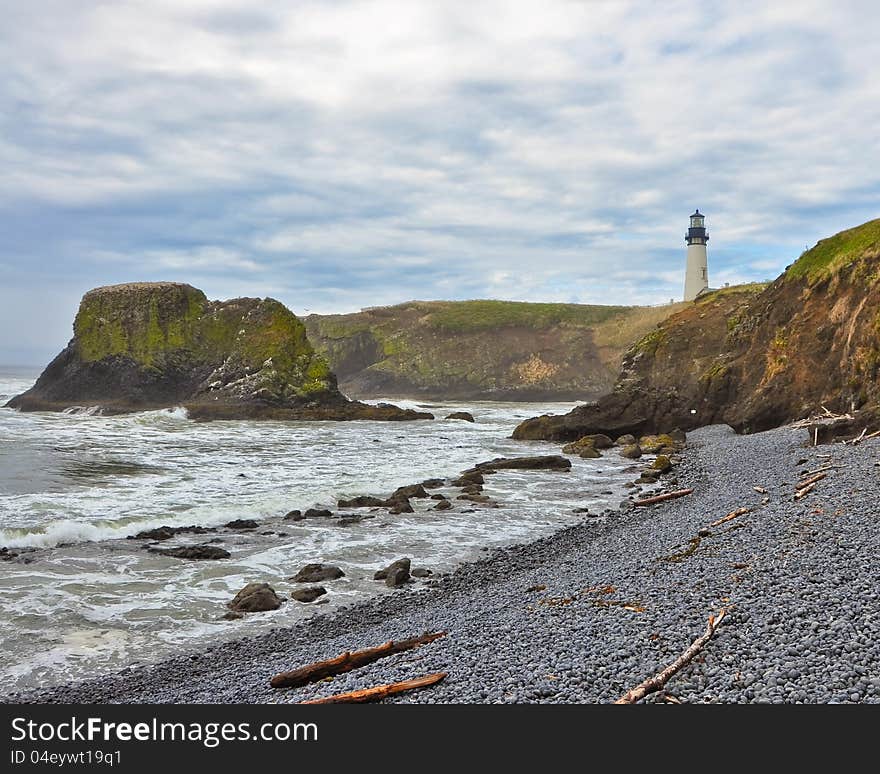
x=150 y=345
x=753 y=357
x=480 y=350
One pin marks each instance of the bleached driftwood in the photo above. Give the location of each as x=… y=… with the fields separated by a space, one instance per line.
x=380 y=691
x=661 y=498
x=657 y=681
x=347 y=661
x=731 y=515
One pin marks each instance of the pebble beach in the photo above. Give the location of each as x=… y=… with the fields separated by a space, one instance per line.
x=585 y=614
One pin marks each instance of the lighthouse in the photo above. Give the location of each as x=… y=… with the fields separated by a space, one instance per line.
x=696 y=274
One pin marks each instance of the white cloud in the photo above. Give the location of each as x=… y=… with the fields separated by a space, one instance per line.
x=383 y=148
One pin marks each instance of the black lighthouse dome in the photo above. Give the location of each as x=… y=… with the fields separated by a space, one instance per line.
x=697 y=234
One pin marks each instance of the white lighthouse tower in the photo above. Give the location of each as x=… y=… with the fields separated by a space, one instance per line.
x=696 y=275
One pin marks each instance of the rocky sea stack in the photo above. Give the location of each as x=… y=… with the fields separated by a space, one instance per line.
x=753 y=356
x=153 y=345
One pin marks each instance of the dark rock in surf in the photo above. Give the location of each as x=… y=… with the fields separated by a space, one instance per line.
x=472 y=477
x=399 y=564
x=413 y=490
x=397 y=577
x=361 y=501
x=546 y=462
x=205 y=552
x=165 y=532
x=401 y=505
x=241 y=524
x=464 y=416
x=308 y=594
x=315 y=573
x=255 y=598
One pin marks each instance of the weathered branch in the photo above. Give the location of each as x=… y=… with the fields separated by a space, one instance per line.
x=347 y=661
x=820 y=469
x=809 y=481
x=656 y=682
x=661 y=498
x=380 y=691
x=731 y=515
x=804 y=492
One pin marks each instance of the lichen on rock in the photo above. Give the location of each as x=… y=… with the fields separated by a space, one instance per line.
x=150 y=345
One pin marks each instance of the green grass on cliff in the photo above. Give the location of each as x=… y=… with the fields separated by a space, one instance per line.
x=481 y=315
x=830 y=255
x=749 y=287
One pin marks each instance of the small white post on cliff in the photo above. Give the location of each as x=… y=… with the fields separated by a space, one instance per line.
x=696 y=275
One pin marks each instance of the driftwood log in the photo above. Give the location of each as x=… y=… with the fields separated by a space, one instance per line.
x=811 y=480
x=656 y=682
x=345 y=662
x=804 y=491
x=731 y=515
x=661 y=498
x=380 y=691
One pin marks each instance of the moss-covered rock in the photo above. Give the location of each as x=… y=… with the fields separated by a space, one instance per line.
x=149 y=345
x=662 y=464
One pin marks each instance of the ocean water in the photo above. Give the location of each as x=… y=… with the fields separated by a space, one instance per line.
x=74 y=486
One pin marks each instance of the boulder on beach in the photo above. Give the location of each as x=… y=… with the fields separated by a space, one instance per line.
x=655 y=444
x=443 y=505
x=662 y=464
x=308 y=594
x=421 y=572
x=439 y=496
x=317 y=572
x=625 y=440
x=631 y=451
x=433 y=483
x=464 y=416
x=193 y=552
x=294 y=515
x=588 y=442
x=585 y=447
x=255 y=598
x=397 y=577
x=545 y=462
x=399 y=564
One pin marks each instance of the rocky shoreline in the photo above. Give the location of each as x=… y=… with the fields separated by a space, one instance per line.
x=587 y=613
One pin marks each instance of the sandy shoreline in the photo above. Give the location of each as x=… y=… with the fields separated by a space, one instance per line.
x=800 y=578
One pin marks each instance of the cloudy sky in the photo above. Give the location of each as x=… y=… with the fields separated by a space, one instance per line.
x=340 y=154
